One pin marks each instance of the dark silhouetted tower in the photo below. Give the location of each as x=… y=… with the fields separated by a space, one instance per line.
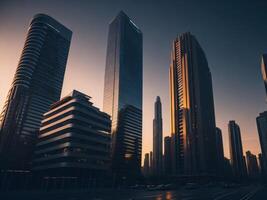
x=36 y=85
x=123 y=94
x=192 y=109
x=252 y=165
x=262 y=131
x=236 y=150
x=146 y=164
x=157 y=138
x=167 y=155
x=219 y=146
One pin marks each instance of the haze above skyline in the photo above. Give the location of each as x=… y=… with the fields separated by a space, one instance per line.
x=233 y=37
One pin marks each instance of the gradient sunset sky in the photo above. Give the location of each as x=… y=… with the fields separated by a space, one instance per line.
x=233 y=36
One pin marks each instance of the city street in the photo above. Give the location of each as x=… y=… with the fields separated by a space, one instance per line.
x=214 y=193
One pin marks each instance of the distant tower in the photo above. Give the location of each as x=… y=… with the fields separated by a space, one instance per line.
x=151 y=162
x=146 y=164
x=219 y=146
x=262 y=131
x=123 y=95
x=167 y=155
x=192 y=109
x=236 y=150
x=264 y=70
x=252 y=165
x=36 y=85
x=157 y=138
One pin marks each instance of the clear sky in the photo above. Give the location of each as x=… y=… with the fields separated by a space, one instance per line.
x=233 y=36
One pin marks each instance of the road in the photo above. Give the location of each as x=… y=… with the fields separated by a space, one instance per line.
x=212 y=193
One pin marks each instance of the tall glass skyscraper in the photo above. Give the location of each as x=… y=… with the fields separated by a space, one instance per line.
x=157 y=138
x=123 y=93
x=36 y=85
x=192 y=109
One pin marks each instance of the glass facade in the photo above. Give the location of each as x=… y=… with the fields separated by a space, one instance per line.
x=192 y=109
x=37 y=84
x=123 y=93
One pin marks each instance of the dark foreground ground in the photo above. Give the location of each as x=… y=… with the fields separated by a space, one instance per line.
x=251 y=192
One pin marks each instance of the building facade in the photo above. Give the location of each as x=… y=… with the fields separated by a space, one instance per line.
x=192 y=109
x=36 y=85
x=123 y=95
x=74 y=139
x=236 y=151
x=262 y=131
x=157 y=138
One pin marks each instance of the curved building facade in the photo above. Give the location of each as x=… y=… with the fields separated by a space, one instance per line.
x=37 y=84
x=192 y=109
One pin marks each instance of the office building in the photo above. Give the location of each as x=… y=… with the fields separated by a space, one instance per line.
x=74 y=140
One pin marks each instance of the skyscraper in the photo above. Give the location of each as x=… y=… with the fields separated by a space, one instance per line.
x=262 y=131
x=264 y=70
x=146 y=165
x=252 y=165
x=219 y=147
x=151 y=162
x=167 y=155
x=157 y=138
x=37 y=84
x=74 y=140
x=192 y=109
x=123 y=94
x=236 y=150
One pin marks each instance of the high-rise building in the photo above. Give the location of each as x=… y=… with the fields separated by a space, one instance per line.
x=146 y=165
x=219 y=147
x=192 y=109
x=262 y=131
x=236 y=150
x=123 y=95
x=167 y=155
x=37 y=84
x=264 y=70
x=252 y=165
x=151 y=162
x=157 y=138
x=74 y=139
